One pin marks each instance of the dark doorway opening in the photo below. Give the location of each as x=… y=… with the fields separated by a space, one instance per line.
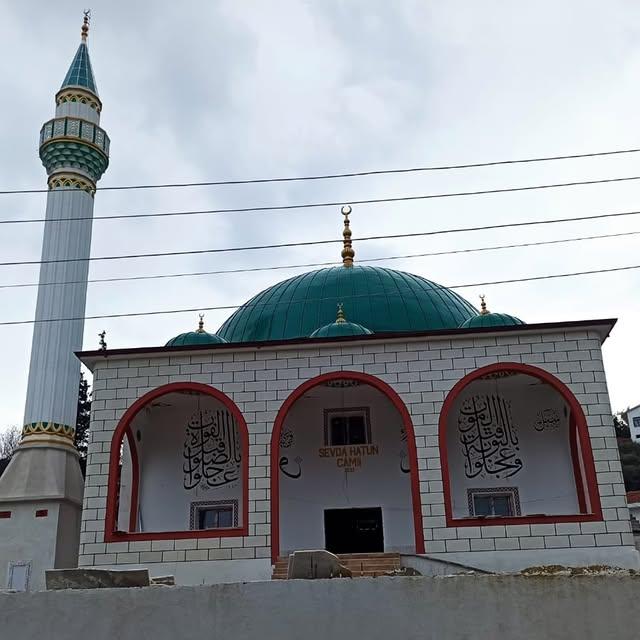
x=353 y=530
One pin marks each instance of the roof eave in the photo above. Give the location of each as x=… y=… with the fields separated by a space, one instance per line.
x=602 y=326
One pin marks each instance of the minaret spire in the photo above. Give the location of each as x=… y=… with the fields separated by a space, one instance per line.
x=45 y=469
x=347 y=252
x=85 y=25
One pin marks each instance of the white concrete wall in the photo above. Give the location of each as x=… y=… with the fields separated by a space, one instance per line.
x=25 y=538
x=379 y=482
x=422 y=372
x=545 y=481
x=455 y=608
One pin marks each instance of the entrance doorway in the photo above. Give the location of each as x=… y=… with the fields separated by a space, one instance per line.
x=353 y=530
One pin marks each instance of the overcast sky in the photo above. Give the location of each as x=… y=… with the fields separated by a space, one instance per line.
x=196 y=91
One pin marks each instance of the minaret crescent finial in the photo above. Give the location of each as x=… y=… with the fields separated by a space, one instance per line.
x=201 y=323
x=85 y=24
x=347 y=252
x=483 y=306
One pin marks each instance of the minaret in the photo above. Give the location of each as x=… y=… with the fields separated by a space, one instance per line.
x=44 y=474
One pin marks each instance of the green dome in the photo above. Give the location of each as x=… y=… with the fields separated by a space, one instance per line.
x=341 y=328
x=378 y=298
x=491 y=320
x=200 y=336
x=195 y=337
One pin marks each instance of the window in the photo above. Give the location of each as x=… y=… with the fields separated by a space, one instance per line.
x=215 y=517
x=636 y=422
x=500 y=502
x=221 y=514
x=347 y=427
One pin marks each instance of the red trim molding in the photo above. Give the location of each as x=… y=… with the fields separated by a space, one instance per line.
x=580 y=445
x=384 y=388
x=111 y=533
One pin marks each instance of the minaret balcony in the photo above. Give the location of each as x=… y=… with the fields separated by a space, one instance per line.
x=75 y=129
x=73 y=143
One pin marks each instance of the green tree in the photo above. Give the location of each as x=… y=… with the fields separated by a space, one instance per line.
x=83 y=417
x=621 y=426
x=630 y=459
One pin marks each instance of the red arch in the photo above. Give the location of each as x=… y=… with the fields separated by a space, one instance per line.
x=111 y=534
x=580 y=434
x=388 y=391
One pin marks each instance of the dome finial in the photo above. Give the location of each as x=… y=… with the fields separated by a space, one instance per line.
x=340 y=318
x=85 y=24
x=347 y=252
x=200 y=323
x=483 y=306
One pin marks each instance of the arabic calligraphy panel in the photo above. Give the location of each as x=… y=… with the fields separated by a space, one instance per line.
x=488 y=437
x=212 y=453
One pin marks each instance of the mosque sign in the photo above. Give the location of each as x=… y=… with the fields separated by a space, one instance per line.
x=349 y=458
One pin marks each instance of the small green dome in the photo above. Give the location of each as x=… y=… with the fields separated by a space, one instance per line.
x=200 y=336
x=487 y=319
x=381 y=299
x=341 y=327
x=491 y=320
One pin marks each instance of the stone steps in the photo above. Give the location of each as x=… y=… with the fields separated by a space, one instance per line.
x=360 y=564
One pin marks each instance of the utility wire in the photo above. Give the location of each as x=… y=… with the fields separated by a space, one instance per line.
x=314 y=205
x=351 y=297
x=322 y=264
x=316 y=242
x=332 y=176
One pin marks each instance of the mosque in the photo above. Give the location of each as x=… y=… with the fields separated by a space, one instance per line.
x=357 y=409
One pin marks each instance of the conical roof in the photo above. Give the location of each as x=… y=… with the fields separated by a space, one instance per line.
x=80 y=73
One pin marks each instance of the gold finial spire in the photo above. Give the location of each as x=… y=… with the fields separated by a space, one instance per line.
x=85 y=25
x=200 y=323
x=483 y=306
x=347 y=252
x=340 y=318
x=103 y=342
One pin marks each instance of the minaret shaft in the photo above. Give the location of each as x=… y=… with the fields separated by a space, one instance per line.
x=54 y=372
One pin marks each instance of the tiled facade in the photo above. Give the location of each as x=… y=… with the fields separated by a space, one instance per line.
x=422 y=371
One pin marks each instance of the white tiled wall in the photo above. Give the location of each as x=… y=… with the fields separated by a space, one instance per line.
x=422 y=372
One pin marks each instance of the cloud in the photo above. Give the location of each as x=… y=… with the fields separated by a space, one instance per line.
x=203 y=91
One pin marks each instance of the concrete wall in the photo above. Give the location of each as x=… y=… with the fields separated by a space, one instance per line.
x=455 y=608
x=422 y=372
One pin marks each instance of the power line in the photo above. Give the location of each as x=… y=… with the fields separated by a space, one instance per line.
x=324 y=264
x=367 y=295
x=285 y=245
x=332 y=176
x=315 y=205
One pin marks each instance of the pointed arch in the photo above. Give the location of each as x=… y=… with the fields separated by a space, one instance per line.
x=399 y=405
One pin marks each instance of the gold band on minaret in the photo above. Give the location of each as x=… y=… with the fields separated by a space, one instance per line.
x=85 y=25
x=347 y=252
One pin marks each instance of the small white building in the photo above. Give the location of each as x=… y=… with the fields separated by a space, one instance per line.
x=633 y=417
